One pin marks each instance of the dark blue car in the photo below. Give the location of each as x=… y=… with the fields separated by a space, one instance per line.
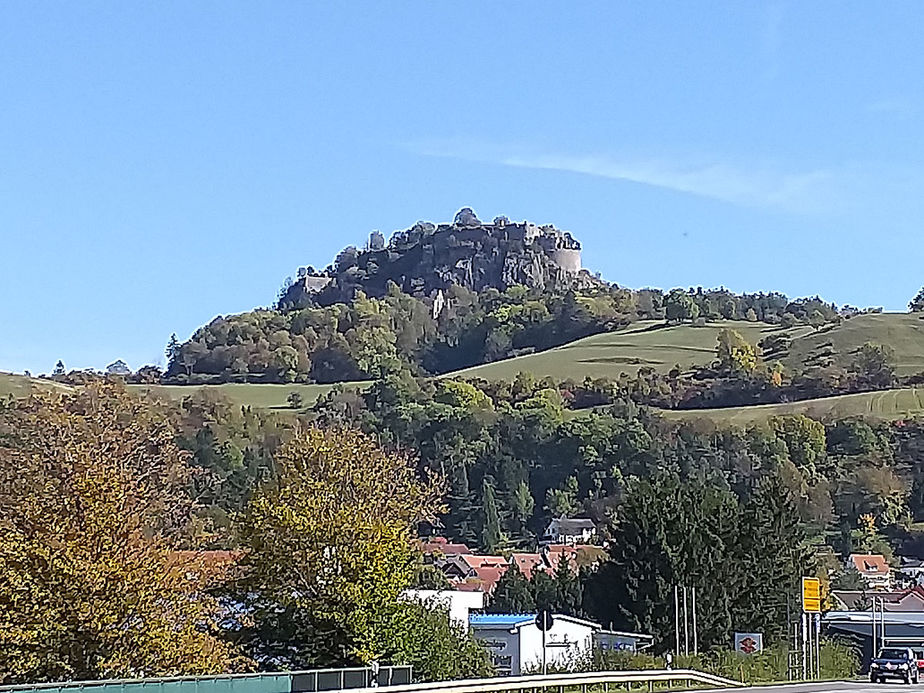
x=894 y=663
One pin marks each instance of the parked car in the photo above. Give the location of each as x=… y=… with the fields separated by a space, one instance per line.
x=919 y=656
x=894 y=663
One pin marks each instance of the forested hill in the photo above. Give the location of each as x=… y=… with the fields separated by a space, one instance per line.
x=437 y=298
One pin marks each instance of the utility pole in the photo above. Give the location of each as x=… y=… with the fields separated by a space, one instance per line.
x=804 y=647
x=881 y=625
x=677 y=618
x=873 y=624
x=543 y=653
x=811 y=644
x=695 y=638
x=818 y=646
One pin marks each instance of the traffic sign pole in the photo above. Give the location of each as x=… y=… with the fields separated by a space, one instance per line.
x=543 y=652
x=818 y=646
x=677 y=618
x=804 y=648
x=544 y=621
x=695 y=639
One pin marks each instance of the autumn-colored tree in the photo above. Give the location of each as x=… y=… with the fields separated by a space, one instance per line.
x=331 y=547
x=93 y=514
x=736 y=356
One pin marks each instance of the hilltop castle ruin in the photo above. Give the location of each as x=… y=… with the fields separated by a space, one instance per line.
x=427 y=258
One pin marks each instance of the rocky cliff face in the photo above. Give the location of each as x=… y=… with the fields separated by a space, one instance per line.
x=427 y=258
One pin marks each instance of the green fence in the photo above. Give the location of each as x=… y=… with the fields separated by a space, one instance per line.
x=288 y=682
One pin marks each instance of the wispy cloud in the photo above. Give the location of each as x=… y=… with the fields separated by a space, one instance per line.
x=805 y=191
x=716 y=180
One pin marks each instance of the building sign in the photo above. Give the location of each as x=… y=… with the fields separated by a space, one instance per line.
x=749 y=643
x=811 y=595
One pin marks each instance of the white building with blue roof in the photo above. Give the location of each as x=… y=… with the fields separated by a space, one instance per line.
x=515 y=641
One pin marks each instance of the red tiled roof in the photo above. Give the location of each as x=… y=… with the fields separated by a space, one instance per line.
x=556 y=552
x=482 y=579
x=477 y=561
x=527 y=563
x=870 y=563
x=468 y=586
x=489 y=576
x=443 y=546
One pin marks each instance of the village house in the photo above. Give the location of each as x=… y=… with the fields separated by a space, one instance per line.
x=569 y=531
x=440 y=546
x=873 y=568
x=457 y=603
x=516 y=644
x=515 y=641
x=898 y=601
x=467 y=571
x=912 y=570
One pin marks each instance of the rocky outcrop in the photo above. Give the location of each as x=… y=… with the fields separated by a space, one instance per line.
x=427 y=258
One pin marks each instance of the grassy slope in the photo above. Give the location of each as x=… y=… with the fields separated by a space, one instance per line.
x=22 y=386
x=645 y=343
x=642 y=344
x=652 y=344
x=891 y=404
x=904 y=332
x=259 y=396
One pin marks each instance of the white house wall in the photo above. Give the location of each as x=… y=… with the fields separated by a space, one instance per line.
x=458 y=603
x=579 y=639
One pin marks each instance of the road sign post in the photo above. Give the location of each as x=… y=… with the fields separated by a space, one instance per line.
x=817 y=646
x=544 y=621
x=811 y=595
x=811 y=606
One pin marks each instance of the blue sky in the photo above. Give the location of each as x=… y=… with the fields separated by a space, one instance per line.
x=163 y=163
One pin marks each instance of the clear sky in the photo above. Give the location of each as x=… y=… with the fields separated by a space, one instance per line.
x=165 y=162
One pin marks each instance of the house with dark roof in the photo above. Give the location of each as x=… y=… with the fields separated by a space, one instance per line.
x=471 y=572
x=569 y=531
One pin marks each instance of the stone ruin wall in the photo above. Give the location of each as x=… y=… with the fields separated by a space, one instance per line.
x=568 y=259
x=467 y=246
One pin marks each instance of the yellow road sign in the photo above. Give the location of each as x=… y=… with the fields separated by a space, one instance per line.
x=811 y=595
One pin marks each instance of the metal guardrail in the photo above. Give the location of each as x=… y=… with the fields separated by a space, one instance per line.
x=560 y=681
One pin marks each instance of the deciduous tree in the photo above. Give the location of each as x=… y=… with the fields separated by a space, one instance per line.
x=331 y=546
x=93 y=514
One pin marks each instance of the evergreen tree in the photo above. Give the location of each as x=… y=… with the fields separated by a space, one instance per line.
x=59 y=369
x=669 y=533
x=772 y=556
x=545 y=590
x=491 y=535
x=173 y=349
x=463 y=519
x=569 y=590
x=523 y=504
x=917 y=303
x=513 y=594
